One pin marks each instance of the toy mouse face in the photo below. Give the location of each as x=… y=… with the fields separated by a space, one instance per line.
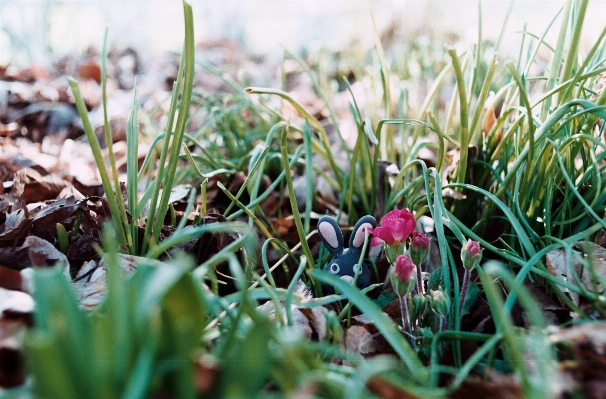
x=344 y=263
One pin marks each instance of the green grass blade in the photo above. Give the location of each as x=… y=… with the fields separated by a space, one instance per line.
x=110 y=145
x=556 y=61
x=310 y=119
x=570 y=65
x=132 y=169
x=188 y=78
x=309 y=172
x=96 y=149
x=293 y=201
x=386 y=85
x=464 y=115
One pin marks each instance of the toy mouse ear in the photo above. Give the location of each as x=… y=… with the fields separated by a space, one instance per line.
x=331 y=235
x=357 y=236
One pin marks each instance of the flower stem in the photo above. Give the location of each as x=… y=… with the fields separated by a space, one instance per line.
x=406 y=320
x=466 y=278
x=420 y=287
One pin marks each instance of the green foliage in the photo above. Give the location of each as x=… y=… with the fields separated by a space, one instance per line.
x=160 y=189
x=472 y=296
x=141 y=338
x=384 y=298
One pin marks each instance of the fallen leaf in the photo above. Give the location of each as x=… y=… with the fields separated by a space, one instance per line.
x=359 y=340
x=44 y=254
x=90 y=69
x=582 y=360
x=386 y=389
x=14 y=258
x=206 y=373
x=497 y=386
x=10 y=279
x=82 y=250
x=558 y=265
x=15 y=228
x=16 y=310
x=11 y=163
x=64 y=211
x=299 y=318
x=31 y=186
x=90 y=283
x=284 y=224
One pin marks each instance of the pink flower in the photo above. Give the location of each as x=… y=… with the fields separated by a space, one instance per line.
x=420 y=240
x=404 y=268
x=395 y=227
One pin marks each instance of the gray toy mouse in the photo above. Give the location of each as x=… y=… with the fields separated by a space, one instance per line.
x=344 y=263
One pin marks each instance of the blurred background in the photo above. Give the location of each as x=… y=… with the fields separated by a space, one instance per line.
x=32 y=30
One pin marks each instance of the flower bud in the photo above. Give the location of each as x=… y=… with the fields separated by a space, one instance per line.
x=419 y=305
x=403 y=275
x=440 y=303
x=419 y=247
x=471 y=254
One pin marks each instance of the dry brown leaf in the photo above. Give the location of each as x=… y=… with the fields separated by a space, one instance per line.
x=90 y=69
x=498 y=386
x=16 y=310
x=300 y=320
x=43 y=254
x=206 y=372
x=385 y=389
x=31 y=186
x=318 y=322
x=90 y=283
x=359 y=340
x=583 y=366
x=449 y=192
x=490 y=118
x=10 y=279
x=310 y=321
x=14 y=258
x=558 y=265
x=81 y=250
x=11 y=163
x=283 y=225
x=14 y=228
x=64 y=211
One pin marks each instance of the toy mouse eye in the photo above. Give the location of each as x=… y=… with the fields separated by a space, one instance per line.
x=334 y=269
x=356 y=269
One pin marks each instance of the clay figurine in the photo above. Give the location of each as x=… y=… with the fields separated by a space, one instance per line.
x=344 y=263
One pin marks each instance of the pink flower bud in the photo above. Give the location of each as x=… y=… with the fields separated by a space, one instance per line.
x=471 y=254
x=420 y=240
x=403 y=275
x=419 y=247
x=473 y=247
x=404 y=268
